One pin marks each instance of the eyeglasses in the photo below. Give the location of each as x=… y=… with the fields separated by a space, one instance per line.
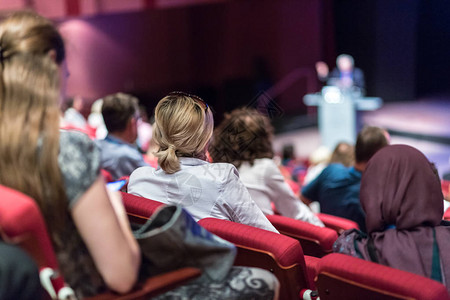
x=197 y=99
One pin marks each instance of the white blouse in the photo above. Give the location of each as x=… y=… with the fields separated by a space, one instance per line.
x=266 y=184
x=204 y=189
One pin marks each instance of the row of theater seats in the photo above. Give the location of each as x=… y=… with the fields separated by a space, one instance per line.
x=299 y=257
x=22 y=223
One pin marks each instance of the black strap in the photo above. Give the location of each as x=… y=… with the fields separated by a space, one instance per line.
x=436 y=272
x=371 y=250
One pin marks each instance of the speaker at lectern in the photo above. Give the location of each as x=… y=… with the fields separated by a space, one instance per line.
x=337 y=109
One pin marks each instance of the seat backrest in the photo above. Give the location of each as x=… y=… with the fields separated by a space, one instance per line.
x=445 y=184
x=337 y=223
x=447 y=214
x=316 y=241
x=277 y=253
x=139 y=209
x=125 y=186
x=345 y=277
x=106 y=175
x=22 y=223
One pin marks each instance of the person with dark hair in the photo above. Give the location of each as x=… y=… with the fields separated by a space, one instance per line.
x=288 y=154
x=337 y=187
x=244 y=139
x=402 y=197
x=119 y=156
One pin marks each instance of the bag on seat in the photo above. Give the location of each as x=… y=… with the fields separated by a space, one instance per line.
x=172 y=239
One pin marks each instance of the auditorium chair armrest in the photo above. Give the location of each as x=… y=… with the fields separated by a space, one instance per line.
x=337 y=223
x=154 y=285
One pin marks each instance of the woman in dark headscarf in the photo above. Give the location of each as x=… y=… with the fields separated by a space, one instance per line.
x=401 y=195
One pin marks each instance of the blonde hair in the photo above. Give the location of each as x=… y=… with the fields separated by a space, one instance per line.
x=344 y=153
x=29 y=113
x=31 y=51
x=183 y=127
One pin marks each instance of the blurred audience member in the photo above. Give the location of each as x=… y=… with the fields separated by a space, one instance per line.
x=318 y=160
x=288 y=154
x=144 y=130
x=182 y=130
x=119 y=155
x=402 y=197
x=293 y=169
x=344 y=153
x=337 y=187
x=72 y=114
x=95 y=120
x=244 y=139
x=59 y=170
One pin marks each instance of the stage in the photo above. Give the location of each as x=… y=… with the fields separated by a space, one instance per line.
x=422 y=124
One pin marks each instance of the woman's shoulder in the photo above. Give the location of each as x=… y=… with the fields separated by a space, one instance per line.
x=142 y=172
x=71 y=140
x=267 y=163
x=222 y=170
x=265 y=168
x=73 y=135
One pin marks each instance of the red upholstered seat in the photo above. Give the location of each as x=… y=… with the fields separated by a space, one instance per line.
x=21 y=223
x=445 y=184
x=337 y=223
x=312 y=269
x=345 y=277
x=316 y=241
x=88 y=130
x=106 y=175
x=446 y=192
x=125 y=186
x=280 y=254
x=447 y=214
x=139 y=209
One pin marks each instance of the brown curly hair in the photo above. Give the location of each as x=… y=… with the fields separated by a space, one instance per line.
x=243 y=136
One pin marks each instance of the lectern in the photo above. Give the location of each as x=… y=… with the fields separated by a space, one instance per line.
x=337 y=113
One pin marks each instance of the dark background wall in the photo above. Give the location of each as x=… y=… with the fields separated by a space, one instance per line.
x=381 y=35
x=229 y=51
x=226 y=51
x=402 y=46
x=433 y=63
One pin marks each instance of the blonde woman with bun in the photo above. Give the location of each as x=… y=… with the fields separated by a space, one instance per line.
x=183 y=128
